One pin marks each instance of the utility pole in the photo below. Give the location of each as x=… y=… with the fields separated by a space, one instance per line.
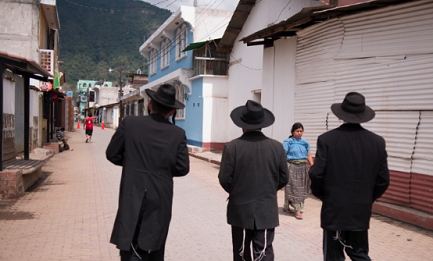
x=121 y=94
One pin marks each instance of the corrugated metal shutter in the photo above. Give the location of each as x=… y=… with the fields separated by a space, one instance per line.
x=421 y=192
x=398 y=191
x=387 y=55
x=422 y=165
x=423 y=155
x=393 y=30
x=315 y=75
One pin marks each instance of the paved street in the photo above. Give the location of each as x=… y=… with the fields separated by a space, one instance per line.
x=69 y=216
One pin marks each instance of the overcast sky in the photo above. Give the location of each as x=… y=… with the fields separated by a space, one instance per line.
x=173 y=5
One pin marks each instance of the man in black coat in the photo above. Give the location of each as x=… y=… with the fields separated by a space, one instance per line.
x=350 y=172
x=253 y=168
x=151 y=151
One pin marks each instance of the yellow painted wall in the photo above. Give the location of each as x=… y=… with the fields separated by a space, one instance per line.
x=43 y=25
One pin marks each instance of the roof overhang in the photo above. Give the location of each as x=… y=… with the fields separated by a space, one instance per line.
x=50 y=10
x=183 y=14
x=24 y=66
x=312 y=15
x=235 y=25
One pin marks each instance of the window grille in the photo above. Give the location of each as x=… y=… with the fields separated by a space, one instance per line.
x=180 y=96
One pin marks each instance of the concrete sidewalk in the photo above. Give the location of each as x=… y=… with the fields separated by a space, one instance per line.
x=400 y=213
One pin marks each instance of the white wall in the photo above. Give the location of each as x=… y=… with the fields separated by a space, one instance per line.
x=210 y=23
x=278 y=93
x=34 y=106
x=246 y=75
x=214 y=109
x=8 y=95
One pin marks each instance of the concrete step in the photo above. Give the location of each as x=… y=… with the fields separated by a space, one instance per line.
x=42 y=151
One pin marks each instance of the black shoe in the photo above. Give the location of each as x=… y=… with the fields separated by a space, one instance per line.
x=87 y=140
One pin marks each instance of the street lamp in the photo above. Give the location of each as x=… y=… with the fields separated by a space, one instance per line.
x=121 y=92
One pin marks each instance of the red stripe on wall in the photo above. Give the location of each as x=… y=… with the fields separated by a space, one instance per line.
x=213 y=145
x=398 y=191
x=422 y=192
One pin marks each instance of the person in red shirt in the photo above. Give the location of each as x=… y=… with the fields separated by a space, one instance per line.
x=88 y=125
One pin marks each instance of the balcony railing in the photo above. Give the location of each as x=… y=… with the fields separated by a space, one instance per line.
x=209 y=62
x=47 y=60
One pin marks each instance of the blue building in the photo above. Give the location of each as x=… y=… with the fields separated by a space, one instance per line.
x=182 y=52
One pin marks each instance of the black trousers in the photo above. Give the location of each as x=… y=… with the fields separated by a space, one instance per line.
x=256 y=238
x=130 y=255
x=356 y=245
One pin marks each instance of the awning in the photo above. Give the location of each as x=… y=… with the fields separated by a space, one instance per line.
x=312 y=15
x=24 y=66
x=194 y=46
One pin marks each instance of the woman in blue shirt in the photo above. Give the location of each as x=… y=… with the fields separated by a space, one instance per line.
x=298 y=154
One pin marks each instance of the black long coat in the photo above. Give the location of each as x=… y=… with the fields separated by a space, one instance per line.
x=350 y=171
x=152 y=151
x=253 y=168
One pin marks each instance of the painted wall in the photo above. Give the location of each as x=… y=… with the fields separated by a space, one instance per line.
x=246 y=62
x=19 y=30
x=80 y=84
x=193 y=123
x=111 y=117
x=215 y=109
x=202 y=24
x=34 y=106
x=210 y=24
x=279 y=85
x=8 y=95
x=174 y=65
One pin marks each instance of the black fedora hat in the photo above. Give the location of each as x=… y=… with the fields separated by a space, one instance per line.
x=252 y=116
x=353 y=109
x=166 y=95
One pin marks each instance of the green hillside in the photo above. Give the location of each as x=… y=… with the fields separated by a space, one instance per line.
x=97 y=35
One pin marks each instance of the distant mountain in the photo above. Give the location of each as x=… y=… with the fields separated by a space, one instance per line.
x=97 y=35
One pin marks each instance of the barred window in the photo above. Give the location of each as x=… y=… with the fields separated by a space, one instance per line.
x=180 y=96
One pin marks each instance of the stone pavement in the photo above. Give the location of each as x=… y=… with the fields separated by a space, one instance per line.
x=70 y=213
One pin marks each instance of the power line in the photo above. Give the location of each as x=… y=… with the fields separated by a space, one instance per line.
x=112 y=10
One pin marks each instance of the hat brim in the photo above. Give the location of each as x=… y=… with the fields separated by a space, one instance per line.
x=365 y=116
x=236 y=115
x=154 y=96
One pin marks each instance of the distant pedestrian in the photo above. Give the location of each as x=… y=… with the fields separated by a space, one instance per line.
x=61 y=137
x=297 y=155
x=253 y=169
x=88 y=126
x=350 y=172
x=151 y=151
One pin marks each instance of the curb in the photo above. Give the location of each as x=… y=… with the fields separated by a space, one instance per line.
x=408 y=215
x=204 y=158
